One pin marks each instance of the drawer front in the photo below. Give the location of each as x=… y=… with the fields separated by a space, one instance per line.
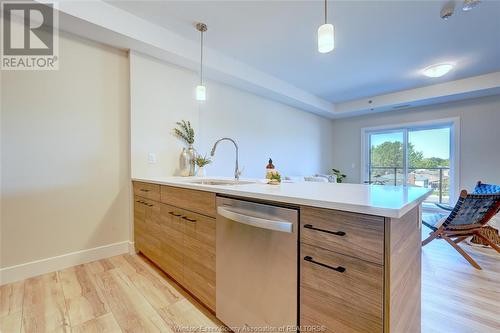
x=196 y=201
x=357 y=235
x=199 y=257
x=146 y=190
x=341 y=293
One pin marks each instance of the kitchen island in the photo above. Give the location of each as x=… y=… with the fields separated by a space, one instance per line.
x=358 y=262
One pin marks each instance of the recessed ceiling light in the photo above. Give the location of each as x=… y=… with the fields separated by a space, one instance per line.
x=437 y=70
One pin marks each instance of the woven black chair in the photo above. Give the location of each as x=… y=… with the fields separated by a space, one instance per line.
x=471 y=212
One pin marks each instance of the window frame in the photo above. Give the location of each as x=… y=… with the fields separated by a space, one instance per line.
x=452 y=123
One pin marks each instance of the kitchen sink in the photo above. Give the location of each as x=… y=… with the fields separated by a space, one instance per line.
x=221 y=182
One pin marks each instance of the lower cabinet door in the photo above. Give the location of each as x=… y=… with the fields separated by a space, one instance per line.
x=199 y=257
x=146 y=228
x=140 y=228
x=340 y=293
x=181 y=243
x=172 y=242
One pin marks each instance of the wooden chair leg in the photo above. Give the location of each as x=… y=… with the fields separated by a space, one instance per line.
x=461 y=251
x=459 y=239
x=493 y=245
x=432 y=236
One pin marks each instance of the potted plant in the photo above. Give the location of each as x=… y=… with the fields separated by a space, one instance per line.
x=185 y=132
x=201 y=161
x=340 y=175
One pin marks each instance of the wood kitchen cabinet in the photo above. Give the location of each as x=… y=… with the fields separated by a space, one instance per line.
x=193 y=200
x=147 y=190
x=180 y=241
x=199 y=257
x=172 y=242
x=356 y=235
x=148 y=231
x=360 y=273
x=342 y=293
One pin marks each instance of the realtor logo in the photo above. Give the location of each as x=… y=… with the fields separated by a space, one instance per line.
x=29 y=36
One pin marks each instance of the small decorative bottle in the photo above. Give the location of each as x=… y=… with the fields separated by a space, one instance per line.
x=269 y=169
x=272 y=175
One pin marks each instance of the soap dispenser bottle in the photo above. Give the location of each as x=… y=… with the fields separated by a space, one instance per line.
x=269 y=169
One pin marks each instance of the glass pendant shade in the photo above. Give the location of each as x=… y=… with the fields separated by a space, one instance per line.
x=326 y=38
x=201 y=93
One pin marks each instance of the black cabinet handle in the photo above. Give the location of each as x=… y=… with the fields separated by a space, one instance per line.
x=338 y=233
x=188 y=219
x=174 y=214
x=144 y=190
x=338 y=269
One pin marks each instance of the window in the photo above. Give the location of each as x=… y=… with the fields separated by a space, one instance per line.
x=419 y=154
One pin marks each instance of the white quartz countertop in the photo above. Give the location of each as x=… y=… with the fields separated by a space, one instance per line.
x=388 y=201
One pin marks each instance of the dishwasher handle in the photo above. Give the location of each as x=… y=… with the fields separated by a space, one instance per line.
x=258 y=222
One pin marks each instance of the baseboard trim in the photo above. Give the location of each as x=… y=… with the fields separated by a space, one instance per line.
x=38 y=267
x=131 y=248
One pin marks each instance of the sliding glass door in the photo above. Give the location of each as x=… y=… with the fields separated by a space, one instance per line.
x=387 y=158
x=429 y=161
x=413 y=156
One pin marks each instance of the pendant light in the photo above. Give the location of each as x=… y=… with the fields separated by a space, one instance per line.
x=326 y=36
x=201 y=90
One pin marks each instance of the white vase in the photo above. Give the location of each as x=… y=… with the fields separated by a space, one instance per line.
x=200 y=172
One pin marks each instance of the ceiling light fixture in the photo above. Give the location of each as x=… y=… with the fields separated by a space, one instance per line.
x=438 y=70
x=326 y=35
x=470 y=4
x=201 y=90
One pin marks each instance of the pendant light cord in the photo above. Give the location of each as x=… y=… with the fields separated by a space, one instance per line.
x=201 y=60
x=325 y=12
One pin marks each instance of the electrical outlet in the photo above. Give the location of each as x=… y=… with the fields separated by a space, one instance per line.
x=151 y=158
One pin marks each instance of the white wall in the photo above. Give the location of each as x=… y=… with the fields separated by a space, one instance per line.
x=479 y=132
x=161 y=94
x=65 y=154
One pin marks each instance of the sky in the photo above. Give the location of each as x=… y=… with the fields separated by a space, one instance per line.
x=432 y=142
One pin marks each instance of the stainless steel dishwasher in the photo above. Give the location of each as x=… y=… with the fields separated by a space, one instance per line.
x=256 y=283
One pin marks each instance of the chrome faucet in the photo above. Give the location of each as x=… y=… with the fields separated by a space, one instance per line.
x=237 y=171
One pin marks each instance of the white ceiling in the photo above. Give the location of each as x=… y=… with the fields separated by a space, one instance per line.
x=380 y=45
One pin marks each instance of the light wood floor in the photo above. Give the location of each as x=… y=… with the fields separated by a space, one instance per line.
x=456 y=297
x=126 y=294
x=119 y=294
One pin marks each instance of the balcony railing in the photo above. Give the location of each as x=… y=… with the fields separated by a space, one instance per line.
x=435 y=178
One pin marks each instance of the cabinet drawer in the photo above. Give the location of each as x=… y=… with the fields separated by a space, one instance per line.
x=357 y=235
x=146 y=190
x=197 y=201
x=343 y=301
